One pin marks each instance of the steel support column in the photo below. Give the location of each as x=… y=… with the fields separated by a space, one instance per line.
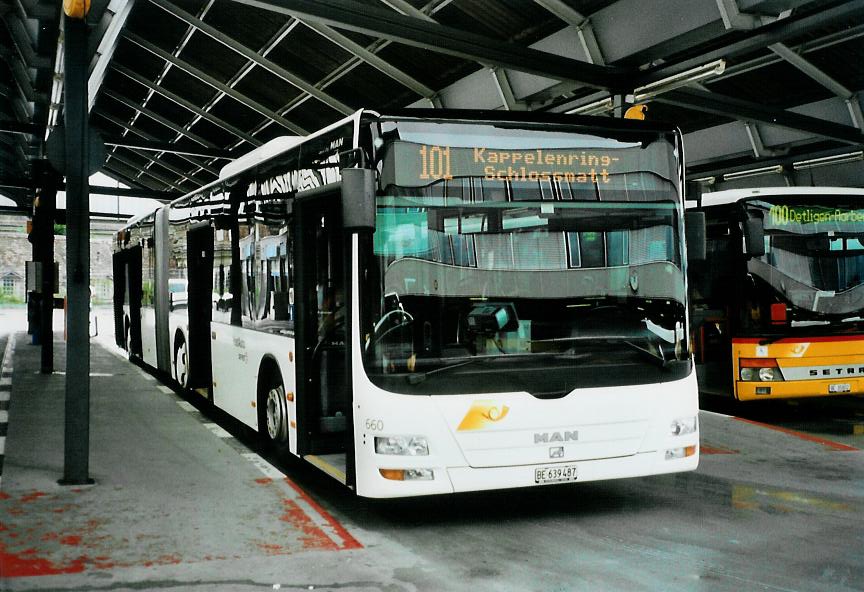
x=47 y=207
x=76 y=461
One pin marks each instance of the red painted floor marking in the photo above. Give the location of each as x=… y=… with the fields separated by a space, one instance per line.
x=314 y=538
x=715 y=450
x=807 y=437
x=32 y=497
x=24 y=564
x=348 y=541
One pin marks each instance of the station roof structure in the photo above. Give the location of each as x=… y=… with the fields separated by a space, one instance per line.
x=765 y=91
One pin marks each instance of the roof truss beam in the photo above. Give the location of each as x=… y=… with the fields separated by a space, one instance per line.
x=216 y=84
x=159 y=119
x=581 y=23
x=105 y=51
x=165 y=147
x=730 y=107
x=187 y=104
x=371 y=58
x=17 y=127
x=388 y=24
x=777 y=32
x=145 y=171
x=152 y=144
x=253 y=56
x=808 y=68
x=23 y=43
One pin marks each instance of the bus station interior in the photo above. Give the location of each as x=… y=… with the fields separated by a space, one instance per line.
x=114 y=476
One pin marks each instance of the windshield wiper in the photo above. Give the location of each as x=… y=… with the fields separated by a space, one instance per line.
x=418 y=377
x=657 y=357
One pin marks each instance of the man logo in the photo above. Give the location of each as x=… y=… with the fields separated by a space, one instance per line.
x=481 y=414
x=546 y=437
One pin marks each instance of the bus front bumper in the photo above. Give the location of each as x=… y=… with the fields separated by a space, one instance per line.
x=799 y=389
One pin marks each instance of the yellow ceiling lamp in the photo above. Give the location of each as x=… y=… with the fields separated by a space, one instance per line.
x=76 y=9
x=636 y=112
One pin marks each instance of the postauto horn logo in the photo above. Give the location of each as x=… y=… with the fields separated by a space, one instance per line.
x=481 y=414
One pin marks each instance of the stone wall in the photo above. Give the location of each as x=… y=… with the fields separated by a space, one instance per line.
x=16 y=250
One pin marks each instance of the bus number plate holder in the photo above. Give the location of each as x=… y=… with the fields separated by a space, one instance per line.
x=839 y=387
x=554 y=474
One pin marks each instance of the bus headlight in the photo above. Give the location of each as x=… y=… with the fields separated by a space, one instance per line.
x=767 y=374
x=759 y=370
x=676 y=453
x=407 y=474
x=402 y=445
x=684 y=425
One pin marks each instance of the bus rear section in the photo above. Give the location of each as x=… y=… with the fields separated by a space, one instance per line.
x=778 y=314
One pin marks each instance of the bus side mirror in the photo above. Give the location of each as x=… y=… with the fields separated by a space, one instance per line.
x=358 y=199
x=754 y=237
x=694 y=232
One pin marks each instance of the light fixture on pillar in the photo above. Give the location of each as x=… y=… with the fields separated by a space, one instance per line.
x=76 y=9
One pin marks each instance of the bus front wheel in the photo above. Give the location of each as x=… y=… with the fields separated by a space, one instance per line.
x=272 y=409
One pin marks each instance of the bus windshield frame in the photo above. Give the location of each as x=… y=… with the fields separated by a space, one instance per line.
x=524 y=258
x=814 y=255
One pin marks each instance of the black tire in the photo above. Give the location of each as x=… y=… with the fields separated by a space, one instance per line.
x=127 y=338
x=272 y=409
x=180 y=363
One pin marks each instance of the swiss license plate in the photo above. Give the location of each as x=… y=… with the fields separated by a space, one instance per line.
x=843 y=387
x=554 y=474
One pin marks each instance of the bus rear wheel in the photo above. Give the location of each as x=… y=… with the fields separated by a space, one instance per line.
x=181 y=361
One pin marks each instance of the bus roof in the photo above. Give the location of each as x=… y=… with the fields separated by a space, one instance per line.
x=717 y=198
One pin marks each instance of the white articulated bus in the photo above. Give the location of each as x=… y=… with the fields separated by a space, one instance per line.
x=429 y=302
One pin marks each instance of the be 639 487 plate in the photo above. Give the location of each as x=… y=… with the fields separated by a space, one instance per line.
x=554 y=474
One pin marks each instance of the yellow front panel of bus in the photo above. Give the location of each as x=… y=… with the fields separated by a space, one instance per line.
x=811 y=367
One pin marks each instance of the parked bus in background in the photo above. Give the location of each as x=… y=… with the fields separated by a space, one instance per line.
x=429 y=302
x=778 y=309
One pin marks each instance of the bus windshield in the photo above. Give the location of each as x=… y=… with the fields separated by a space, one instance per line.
x=518 y=260
x=814 y=252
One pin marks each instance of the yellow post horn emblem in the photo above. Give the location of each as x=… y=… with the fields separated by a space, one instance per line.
x=481 y=414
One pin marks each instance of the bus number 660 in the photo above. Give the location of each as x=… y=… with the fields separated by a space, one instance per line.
x=375 y=425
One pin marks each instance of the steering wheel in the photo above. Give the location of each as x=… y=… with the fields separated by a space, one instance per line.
x=396 y=312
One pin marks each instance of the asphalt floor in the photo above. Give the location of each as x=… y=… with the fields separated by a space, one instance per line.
x=176 y=501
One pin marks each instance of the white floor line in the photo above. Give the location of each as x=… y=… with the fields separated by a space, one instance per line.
x=265 y=467
x=187 y=406
x=165 y=389
x=2 y=445
x=715 y=413
x=4 y=416
x=218 y=430
x=4 y=396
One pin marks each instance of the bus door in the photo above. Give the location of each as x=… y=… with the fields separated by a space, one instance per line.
x=323 y=399
x=118 y=261
x=134 y=293
x=199 y=245
x=712 y=284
